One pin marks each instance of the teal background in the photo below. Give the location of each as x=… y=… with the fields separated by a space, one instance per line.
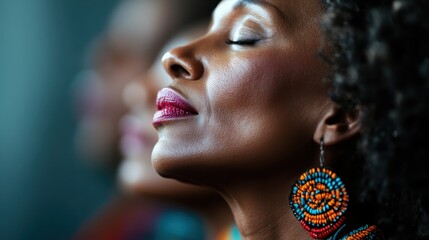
x=46 y=192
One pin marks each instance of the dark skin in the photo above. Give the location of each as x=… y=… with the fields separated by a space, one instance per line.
x=256 y=82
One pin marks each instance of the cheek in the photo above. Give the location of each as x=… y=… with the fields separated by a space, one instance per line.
x=254 y=84
x=266 y=78
x=260 y=104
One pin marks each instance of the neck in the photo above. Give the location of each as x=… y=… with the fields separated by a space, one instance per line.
x=261 y=209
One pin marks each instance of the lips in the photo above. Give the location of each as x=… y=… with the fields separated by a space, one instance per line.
x=171 y=106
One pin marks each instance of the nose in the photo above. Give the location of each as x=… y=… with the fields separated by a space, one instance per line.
x=182 y=63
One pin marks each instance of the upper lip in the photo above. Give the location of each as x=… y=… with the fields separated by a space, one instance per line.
x=168 y=97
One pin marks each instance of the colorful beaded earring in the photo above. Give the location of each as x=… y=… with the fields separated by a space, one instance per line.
x=319 y=201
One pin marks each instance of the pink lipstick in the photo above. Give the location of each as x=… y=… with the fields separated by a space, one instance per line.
x=171 y=106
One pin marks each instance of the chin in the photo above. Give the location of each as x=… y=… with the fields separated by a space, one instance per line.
x=179 y=163
x=208 y=167
x=169 y=163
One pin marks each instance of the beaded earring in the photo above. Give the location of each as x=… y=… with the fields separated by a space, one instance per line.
x=319 y=201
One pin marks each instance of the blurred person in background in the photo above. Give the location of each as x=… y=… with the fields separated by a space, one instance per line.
x=136 y=32
x=149 y=210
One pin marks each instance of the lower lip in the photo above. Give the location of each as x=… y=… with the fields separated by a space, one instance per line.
x=169 y=113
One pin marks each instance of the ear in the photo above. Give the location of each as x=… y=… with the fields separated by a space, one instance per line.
x=338 y=125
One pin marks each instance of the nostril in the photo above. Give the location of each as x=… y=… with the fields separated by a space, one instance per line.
x=182 y=63
x=180 y=71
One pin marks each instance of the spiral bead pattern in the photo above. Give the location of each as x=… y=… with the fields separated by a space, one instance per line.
x=319 y=200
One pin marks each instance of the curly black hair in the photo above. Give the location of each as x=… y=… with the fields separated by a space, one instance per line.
x=380 y=56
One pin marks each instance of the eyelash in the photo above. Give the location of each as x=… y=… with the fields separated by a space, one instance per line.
x=246 y=42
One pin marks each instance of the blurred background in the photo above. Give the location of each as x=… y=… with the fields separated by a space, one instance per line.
x=46 y=191
x=65 y=116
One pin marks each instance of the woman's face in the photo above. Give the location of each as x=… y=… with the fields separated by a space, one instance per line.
x=254 y=86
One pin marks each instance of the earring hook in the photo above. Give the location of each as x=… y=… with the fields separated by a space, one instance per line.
x=322 y=152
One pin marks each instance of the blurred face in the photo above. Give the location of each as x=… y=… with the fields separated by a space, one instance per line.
x=127 y=49
x=99 y=100
x=246 y=97
x=136 y=172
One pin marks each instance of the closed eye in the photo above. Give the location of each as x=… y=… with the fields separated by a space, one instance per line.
x=244 y=42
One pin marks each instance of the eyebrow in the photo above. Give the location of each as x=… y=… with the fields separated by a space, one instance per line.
x=243 y=3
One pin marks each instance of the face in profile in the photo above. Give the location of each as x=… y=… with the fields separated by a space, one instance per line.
x=245 y=96
x=136 y=173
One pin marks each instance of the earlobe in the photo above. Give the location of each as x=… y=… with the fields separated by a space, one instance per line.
x=338 y=125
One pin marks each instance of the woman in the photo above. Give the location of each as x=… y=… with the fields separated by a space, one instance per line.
x=248 y=114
